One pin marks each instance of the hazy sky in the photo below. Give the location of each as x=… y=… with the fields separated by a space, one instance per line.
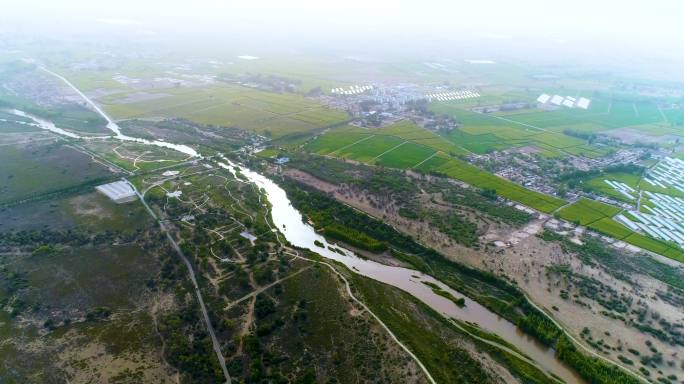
x=633 y=26
x=610 y=17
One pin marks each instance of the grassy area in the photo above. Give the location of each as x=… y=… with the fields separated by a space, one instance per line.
x=85 y=297
x=133 y=156
x=38 y=168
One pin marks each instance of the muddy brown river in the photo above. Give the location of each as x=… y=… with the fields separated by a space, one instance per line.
x=290 y=222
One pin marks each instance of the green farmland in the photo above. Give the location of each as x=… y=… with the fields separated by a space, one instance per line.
x=334 y=141
x=474 y=176
x=405 y=157
x=407 y=146
x=587 y=211
x=367 y=150
x=611 y=228
x=265 y=113
x=482 y=133
x=366 y=144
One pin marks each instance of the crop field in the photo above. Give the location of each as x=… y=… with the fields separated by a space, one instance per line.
x=407 y=146
x=603 y=114
x=477 y=143
x=656 y=246
x=367 y=150
x=590 y=151
x=558 y=140
x=482 y=133
x=476 y=177
x=333 y=141
x=341 y=140
x=611 y=228
x=32 y=169
x=406 y=156
x=586 y=211
x=411 y=132
x=231 y=106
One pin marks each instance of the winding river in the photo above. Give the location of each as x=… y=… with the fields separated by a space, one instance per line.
x=290 y=223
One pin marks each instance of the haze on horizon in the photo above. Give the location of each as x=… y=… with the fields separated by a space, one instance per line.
x=622 y=33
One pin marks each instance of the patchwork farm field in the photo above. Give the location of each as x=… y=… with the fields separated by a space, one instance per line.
x=482 y=133
x=611 y=228
x=351 y=139
x=656 y=246
x=407 y=146
x=265 y=113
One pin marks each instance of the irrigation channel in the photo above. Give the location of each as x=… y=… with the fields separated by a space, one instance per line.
x=290 y=223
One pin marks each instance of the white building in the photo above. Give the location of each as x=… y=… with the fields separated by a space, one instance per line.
x=119 y=191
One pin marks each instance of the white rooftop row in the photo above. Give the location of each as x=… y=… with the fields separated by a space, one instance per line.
x=567 y=101
x=458 y=95
x=665 y=217
x=622 y=188
x=657 y=227
x=351 y=90
x=118 y=191
x=668 y=173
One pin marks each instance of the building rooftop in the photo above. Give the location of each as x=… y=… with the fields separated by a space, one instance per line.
x=118 y=191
